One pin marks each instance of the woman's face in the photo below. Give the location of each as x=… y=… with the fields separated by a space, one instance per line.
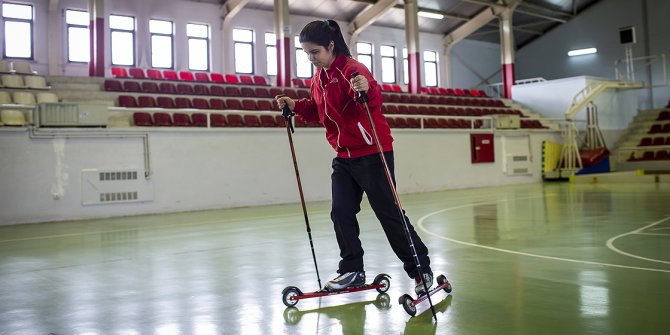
x=319 y=56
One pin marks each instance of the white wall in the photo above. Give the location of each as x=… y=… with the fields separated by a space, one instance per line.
x=202 y=169
x=598 y=27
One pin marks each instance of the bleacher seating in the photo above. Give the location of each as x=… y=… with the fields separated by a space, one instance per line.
x=136 y=73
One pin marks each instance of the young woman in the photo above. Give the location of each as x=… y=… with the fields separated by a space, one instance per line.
x=358 y=167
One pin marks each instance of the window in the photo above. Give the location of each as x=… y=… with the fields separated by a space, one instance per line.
x=364 y=51
x=244 y=50
x=430 y=67
x=304 y=68
x=123 y=39
x=271 y=52
x=405 y=65
x=162 y=43
x=78 y=38
x=388 y=64
x=198 y=46
x=18 y=27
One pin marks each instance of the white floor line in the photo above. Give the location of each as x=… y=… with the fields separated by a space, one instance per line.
x=610 y=242
x=420 y=224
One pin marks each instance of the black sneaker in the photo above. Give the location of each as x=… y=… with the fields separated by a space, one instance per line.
x=345 y=280
x=419 y=289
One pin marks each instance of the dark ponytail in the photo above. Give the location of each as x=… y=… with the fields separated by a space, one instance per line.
x=322 y=32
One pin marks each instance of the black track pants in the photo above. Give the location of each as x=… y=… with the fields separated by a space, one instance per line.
x=351 y=177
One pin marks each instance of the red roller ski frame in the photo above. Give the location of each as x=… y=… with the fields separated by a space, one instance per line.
x=291 y=294
x=409 y=304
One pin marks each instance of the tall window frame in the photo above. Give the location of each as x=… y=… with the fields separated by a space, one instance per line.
x=303 y=67
x=162 y=43
x=198 y=36
x=18 y=26
x=123 y=49
x=243 y=46
x=271 y=54
x=387 y=53
x=364 y=51
x=405 y=67
x=78 y=36
x=430 y=68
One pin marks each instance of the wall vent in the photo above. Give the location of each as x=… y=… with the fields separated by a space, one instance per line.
x=115 y=186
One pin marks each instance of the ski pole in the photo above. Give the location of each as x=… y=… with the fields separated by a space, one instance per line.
x=288 y=115
x=363 y=98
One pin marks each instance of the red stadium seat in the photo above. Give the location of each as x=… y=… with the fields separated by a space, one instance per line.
x=200 y=103
x=390 y=121
x=119 y=72
x=400 y=122
x=167 y=88
x=216 y=103
x=247 y=92
x=246 y=79
x=268 y=121
x=199 y=119
x=655 y=129
x=150 y=87
x=185 y=89
x=182 y=102
x=217 y=120
x=131 y=86
x=664 y=115
x=217 y=90
x=202 y=77
x=127 y=101
x=429 y=123
x=170 y=75
x=658 y=141
x=165 y=102
x=396 y=88
x=262 y=92
x=217 y=78
x=186 y=76
x=291 y=93
x=251 y=121
x=386 y=88
x=260 y=80
x=113 y=85
x=146 y=101
x=249 y=105
x=232 y=79
x=232 y=91
x=154 y=74
x=200 y=89
x=275 y=91
x=308 y=82
x=413 y=123
x=233 y=104
x=235 y=120
x=265 y=105
x=162 y=119
x=181 y=120
x=142 y=119
x=136 y=73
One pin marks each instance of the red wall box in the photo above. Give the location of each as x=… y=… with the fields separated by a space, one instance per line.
x=481 y=148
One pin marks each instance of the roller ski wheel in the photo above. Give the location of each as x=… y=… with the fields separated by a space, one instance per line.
x=291 y=294
x=409 y=304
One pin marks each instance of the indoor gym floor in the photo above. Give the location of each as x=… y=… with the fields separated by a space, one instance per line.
x=553 y=258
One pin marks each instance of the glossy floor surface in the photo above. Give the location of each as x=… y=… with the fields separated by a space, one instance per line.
x=532 y=259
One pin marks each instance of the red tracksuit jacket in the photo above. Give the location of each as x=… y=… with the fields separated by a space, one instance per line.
x=333 y=103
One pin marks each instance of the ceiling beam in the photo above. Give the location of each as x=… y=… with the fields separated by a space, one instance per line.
x=500 y=7
x=480 y=20
x=368 y=17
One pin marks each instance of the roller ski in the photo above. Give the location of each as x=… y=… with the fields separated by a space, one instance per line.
x=410 y=304
x=291 y=294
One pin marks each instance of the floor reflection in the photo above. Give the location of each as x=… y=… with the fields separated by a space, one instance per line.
x=424 y=324
x=351 y=316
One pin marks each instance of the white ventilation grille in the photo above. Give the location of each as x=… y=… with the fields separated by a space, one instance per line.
x=113 y=187
x=518 y=165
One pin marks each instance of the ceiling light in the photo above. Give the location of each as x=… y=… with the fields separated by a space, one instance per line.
x=431 y=15
x=580 y=52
